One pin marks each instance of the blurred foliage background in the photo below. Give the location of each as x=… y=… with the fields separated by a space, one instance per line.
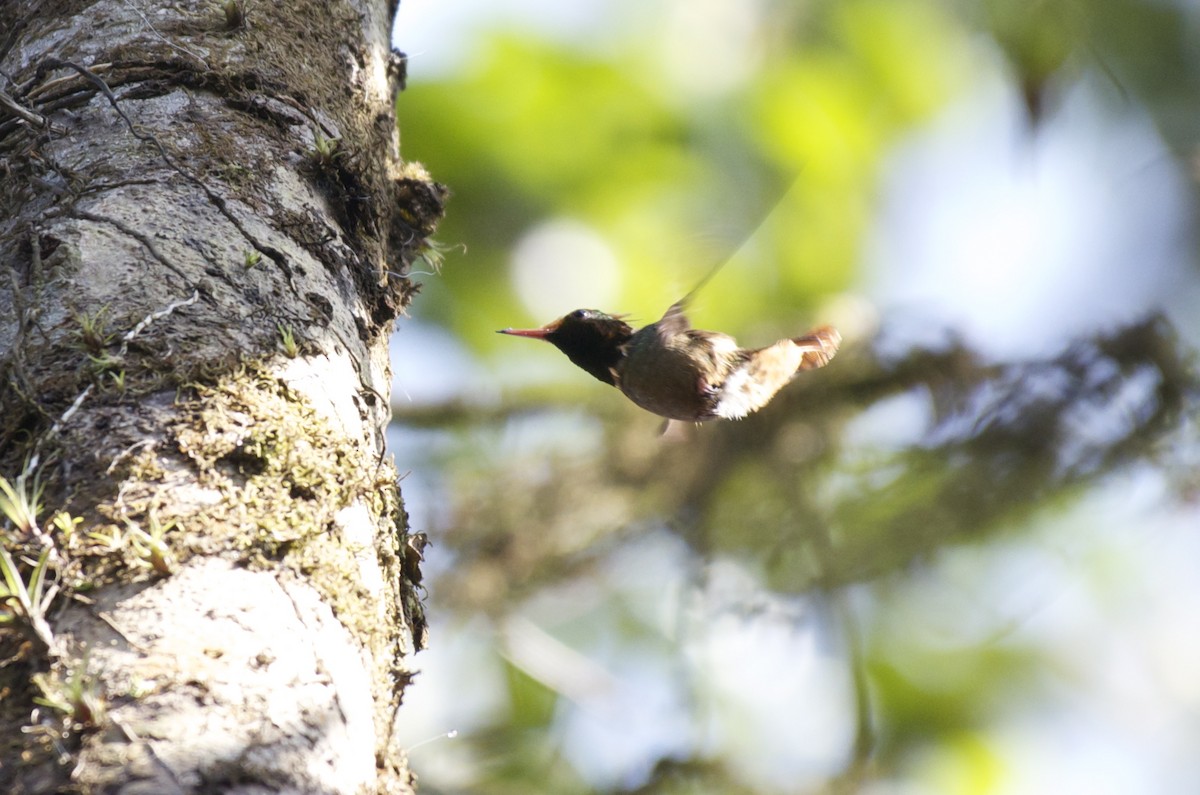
x=961 y=558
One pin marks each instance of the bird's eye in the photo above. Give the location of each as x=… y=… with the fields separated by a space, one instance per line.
x=578 y=314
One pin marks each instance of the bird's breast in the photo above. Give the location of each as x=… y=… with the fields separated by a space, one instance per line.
x=677 y=376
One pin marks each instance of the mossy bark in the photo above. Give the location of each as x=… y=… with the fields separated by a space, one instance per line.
x=205 y=227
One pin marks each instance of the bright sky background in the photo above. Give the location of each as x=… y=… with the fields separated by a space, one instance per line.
x=1021 y=239
x=437 y=35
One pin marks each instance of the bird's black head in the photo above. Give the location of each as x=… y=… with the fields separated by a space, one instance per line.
x=591 y=339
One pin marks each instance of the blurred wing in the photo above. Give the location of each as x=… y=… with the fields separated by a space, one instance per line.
x=767 y=370
x=674 y=321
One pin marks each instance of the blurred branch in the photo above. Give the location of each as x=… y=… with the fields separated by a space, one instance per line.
x=1012 y=439
x=462 y=412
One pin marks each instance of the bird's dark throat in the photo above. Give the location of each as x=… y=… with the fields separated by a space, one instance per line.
x=593 y=342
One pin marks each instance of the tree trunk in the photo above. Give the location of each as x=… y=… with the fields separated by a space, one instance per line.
x=208 y=586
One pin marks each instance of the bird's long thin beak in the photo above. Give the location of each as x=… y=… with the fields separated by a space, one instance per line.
x=536 y=333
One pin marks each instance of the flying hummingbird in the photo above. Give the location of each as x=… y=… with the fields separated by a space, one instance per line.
x=682 y=373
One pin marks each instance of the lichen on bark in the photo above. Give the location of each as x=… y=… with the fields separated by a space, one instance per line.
x=205 y=229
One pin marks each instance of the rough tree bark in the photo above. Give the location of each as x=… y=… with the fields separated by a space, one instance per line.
x=205 y=222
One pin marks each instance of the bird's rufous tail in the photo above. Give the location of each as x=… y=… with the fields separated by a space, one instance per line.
x=819 y=346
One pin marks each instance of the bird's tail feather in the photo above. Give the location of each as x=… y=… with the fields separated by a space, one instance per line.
x=818 y=347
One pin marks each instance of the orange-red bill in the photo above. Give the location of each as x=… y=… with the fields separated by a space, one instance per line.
x=536 y=333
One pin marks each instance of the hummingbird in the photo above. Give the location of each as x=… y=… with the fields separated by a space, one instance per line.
x=682 y=373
